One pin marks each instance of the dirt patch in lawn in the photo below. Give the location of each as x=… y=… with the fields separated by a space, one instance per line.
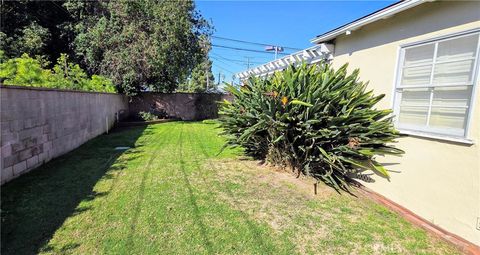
x=330 y=222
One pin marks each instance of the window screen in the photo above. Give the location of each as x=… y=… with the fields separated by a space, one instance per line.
x=435 y=85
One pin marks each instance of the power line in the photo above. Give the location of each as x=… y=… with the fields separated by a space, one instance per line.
x=238 y=60
x=243 y=49
x=235 y=56
x=226 y=70
x=229 y=53
x=246 y=63
x=253 y=43
x=229 y=64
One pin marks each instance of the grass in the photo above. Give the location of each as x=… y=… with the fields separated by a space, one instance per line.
x=172 y=194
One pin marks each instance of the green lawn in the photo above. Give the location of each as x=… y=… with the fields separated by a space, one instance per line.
x=172 y=194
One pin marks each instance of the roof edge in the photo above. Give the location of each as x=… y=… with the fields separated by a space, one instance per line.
x=370 y=18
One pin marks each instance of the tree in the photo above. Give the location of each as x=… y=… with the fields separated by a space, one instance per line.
x=197 y=82
x=27 y=71
x=34 y=28
x=140 y=45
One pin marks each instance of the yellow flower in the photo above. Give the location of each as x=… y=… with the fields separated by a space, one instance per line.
x=284 y=100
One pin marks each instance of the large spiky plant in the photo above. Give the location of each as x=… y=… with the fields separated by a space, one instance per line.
x=313 y=119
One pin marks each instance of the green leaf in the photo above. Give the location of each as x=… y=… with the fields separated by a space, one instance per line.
x=278 y=139
x=380 y=169
x=298 y=102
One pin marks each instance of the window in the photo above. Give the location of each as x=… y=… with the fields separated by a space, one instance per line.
x=435 y=84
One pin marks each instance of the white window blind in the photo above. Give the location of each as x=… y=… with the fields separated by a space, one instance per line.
x=435 y=85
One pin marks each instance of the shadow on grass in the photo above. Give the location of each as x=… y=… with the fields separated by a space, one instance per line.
x=193 y=199
x=137 y=207
x=36 y=204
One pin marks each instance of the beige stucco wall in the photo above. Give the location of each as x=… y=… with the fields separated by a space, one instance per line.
x=437 y=180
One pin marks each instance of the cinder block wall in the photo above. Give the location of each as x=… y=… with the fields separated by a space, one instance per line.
x=185 y=106
x=39 y=124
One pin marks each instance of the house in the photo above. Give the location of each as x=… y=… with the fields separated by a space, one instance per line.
x=424 y=56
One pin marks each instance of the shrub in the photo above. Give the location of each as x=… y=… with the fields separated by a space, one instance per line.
x=313 y=119
x=23 y=71
x=147 y=116
x=27 y=71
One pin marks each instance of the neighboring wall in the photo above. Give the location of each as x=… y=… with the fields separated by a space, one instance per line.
x=185 y=106
x=40 y=124
x=436 y=179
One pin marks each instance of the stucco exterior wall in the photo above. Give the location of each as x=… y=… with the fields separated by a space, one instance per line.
x=436 y=179
x=40 y=124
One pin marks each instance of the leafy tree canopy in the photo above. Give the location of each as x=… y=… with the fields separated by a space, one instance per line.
x=197 y=82
x=142 y=45
x=33 y=27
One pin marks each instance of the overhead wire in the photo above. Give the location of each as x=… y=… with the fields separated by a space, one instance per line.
x=237 y=60
x=252 y=43
x=230 y=64
x=250 y=50
x=224 y=69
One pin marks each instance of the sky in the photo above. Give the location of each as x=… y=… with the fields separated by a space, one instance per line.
x=281 y=23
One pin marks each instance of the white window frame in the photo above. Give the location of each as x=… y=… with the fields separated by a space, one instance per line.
x=397 y=87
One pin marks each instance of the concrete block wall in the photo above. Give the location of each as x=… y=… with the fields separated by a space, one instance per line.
x=185 y=106
x=38 y=124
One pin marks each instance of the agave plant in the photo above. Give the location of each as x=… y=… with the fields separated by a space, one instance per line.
x=314 y=120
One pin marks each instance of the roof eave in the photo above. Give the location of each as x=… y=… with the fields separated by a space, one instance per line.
x=378 y=15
